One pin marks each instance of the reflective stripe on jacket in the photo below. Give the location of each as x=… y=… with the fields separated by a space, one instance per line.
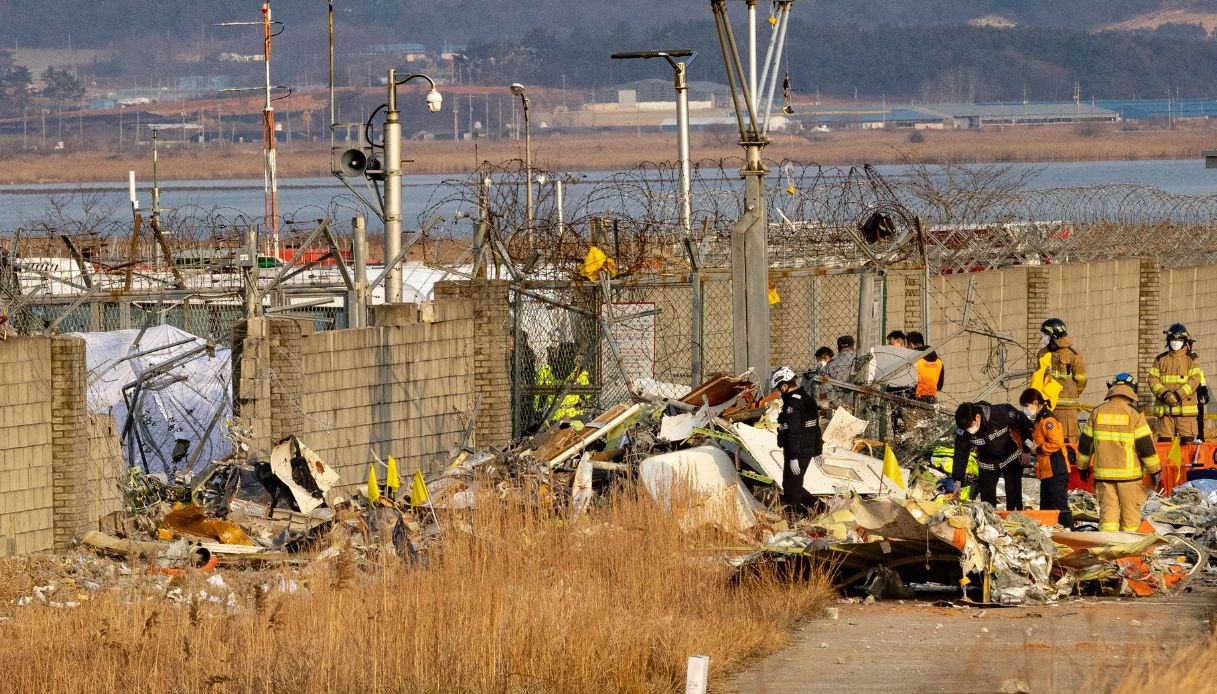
x=569 y=408
x=1069 y=369
x=1177 y=371
x=1116 y=440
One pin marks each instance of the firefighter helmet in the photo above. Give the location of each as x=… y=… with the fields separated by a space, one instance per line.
x=1053 y=327
x=1123 y=379
x=1178 y=331
x=783 y=374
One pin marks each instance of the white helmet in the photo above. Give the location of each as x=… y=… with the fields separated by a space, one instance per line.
x=783 y=374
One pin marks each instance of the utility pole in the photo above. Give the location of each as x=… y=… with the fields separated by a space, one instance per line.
x=270 y=173
x=749 y=236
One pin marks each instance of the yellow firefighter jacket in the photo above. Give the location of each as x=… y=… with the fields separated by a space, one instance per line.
x=1116 y=440
x=1069 y=369
x=1177 y=371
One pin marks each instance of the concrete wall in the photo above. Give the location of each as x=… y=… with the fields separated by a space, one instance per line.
x=491 y=352
x=404 y=388
x=58 y=465
x=26 y=523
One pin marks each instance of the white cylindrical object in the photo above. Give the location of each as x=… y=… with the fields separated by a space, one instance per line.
x=131 y=189
x=698 y=674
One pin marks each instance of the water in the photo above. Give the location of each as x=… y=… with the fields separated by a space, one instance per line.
x=22 y=205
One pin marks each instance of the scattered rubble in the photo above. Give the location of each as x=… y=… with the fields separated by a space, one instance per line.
x=710 y=458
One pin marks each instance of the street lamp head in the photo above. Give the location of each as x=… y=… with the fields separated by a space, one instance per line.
x=542 y=178
x=517 y=89
x=434 y=101
x=643 y=55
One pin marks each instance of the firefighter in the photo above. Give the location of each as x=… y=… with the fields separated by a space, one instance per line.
x=1047 y=443
x=1174 y=380
x=554 y=377
x=798 y=435
x=1068 y=368
x=1117 y=448
x=996 y=433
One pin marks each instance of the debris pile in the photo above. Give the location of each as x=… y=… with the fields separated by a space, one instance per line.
x=710 y=458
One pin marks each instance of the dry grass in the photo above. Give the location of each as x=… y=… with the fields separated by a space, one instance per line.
x=1187 y=671
x=623 y=151
x=522 y=602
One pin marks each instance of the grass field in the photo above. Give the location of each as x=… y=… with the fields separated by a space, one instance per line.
x=517 y=601
x=623 y=151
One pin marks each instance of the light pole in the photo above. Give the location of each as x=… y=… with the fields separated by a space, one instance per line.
x=682 y=123
x=518 y=90
x=392 y=164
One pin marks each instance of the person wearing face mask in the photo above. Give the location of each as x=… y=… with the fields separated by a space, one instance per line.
x=1174 y=380
x=1068 y=368
x=1047 y=443
x=1117 y=448
x=996 y=433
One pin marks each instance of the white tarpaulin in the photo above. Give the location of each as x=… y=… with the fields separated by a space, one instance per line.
x=715 y=492
x=178 y=404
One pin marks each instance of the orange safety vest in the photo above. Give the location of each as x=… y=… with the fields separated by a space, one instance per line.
x=928 y=373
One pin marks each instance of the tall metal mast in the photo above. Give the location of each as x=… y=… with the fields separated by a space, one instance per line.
x=270 y=175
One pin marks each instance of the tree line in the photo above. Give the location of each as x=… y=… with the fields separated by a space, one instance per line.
x=17 y=86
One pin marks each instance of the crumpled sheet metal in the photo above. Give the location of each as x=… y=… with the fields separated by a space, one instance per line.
x=713 y=491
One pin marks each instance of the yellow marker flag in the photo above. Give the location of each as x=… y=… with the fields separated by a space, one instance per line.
x=774 y=297
x=1175 y=458
x=596 y=261
x=373 y=484
x=392 y=481
x=418 y=489
x=891 y=468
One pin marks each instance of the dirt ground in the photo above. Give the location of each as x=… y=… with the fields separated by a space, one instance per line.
x=912 y=647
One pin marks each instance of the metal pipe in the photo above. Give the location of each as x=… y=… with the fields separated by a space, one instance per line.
x=252 y=300
x=682 y=147
x=359 y=255
x=752 y=53
x=333 y=116
x=392 y=164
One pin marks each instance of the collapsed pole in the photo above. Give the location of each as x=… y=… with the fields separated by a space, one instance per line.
x=270 y=182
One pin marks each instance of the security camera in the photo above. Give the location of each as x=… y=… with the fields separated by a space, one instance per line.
x=434 y=101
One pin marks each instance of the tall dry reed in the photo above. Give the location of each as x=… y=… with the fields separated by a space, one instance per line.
x=517 y=600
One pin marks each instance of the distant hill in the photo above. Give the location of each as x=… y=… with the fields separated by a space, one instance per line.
x=100 y=23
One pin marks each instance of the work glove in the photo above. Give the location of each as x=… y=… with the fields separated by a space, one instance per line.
x=1170 y=398
x=1202 y=395
x=1024 y=459
x=1156 y=478
x=818 y=460
x=1084 y=474
x=955 y=490
x=794 y=466
x=1031 y=446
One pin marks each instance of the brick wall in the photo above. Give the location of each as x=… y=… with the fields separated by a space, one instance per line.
x=492 y=330
x=69 y=441
x=26 y=523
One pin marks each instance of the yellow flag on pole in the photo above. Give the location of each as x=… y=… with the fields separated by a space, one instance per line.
x=392 y=481
x=418 y=489
x=891 y=468
x=1175 y=458
x=373 y=484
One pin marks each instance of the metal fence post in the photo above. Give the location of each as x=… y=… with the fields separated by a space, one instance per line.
x=357 y=299
x=698 y=329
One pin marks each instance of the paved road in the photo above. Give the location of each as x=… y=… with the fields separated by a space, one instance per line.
x=911 y=647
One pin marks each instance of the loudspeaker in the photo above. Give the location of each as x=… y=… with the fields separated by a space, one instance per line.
x=353 y=161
